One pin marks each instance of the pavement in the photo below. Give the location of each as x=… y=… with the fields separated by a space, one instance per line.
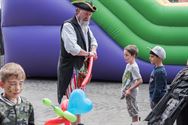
x=108 y=109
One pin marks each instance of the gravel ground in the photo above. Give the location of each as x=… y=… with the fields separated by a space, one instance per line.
x=108 y=108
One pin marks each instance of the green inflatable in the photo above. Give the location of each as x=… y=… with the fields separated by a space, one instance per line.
x=146 y=23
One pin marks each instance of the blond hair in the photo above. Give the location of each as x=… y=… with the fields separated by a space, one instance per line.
x=12 y=69
x=132 y=49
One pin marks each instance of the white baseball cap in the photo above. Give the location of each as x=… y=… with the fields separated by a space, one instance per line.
x=159 y=51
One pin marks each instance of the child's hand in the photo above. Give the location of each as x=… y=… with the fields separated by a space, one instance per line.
x=128 y=92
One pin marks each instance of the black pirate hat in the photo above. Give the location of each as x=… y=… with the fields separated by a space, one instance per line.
x=84 y=5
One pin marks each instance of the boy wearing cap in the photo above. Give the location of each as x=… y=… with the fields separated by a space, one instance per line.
x=77 y=44
x=158 y=77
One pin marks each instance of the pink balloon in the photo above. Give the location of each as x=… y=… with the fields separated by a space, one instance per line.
x=64 y=104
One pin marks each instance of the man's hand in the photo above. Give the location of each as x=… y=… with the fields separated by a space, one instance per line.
x=93 y=54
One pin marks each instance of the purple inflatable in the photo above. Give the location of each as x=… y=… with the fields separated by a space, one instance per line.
x=31 y=34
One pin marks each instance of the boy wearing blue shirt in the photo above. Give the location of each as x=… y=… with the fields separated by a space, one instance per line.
x=158 y=77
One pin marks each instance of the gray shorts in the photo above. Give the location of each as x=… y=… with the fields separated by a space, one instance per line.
x=132 y=106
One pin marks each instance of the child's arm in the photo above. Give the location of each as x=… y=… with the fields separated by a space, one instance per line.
x=135 y=85
x=31 y=116
x=137 y=77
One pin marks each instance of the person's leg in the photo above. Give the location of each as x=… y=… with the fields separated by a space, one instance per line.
x=77 y=84
x=132 y=108
x=77 y=121
x=135 y=118
x=63 y=80
x=74 y=123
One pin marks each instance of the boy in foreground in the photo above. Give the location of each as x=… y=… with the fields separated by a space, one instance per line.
x=14 y=109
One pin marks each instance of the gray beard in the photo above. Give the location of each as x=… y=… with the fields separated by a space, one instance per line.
x=84 y=23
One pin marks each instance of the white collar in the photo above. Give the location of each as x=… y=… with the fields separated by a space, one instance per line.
x=4 y=99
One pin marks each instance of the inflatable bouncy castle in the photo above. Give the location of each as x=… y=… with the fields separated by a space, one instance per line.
x=31 y=34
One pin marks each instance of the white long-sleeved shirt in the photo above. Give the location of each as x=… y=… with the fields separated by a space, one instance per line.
x=70 y=40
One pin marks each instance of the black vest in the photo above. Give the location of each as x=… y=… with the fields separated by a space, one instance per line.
x=67 y=60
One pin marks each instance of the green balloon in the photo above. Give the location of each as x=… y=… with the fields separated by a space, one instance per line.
x=58 y=111
x=67 y=115
x=47 y=102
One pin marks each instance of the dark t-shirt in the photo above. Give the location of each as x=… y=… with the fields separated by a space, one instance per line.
x=157 y=84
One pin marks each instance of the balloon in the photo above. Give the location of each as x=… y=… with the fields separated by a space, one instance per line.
x=57 y=121
x=79 y=103
x=64 y=104
x=69 y=116
x=47 y=102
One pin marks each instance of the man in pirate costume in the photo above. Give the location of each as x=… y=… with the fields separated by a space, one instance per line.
x=77 y=45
